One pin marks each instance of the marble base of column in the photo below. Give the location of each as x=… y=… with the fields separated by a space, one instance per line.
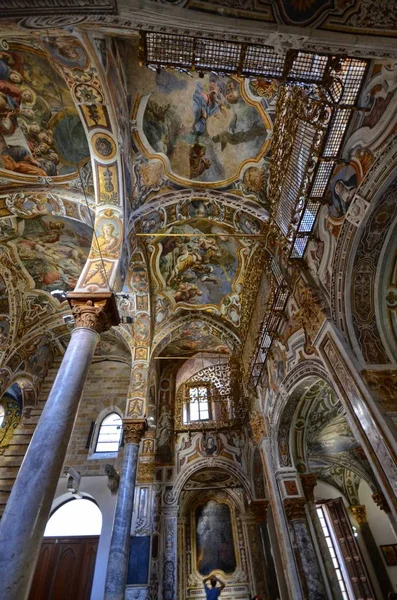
x=117 y=569
x=25 y=517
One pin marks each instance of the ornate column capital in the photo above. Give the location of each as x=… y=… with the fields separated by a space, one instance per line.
x=359 y=513
x=381 y=501
x=309 y=482
x=295 y=508
x=94 y=311
x=133 y=430
x=259 y=509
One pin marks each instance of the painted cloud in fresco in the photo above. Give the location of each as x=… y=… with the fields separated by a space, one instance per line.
x=208 y=128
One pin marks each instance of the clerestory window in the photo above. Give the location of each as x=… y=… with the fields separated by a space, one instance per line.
x=109 y=434
x=198 y=406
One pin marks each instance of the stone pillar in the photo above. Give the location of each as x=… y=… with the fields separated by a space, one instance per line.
x=312 y=582
x=255 y=557
x=116 y=574
x=292 y=578
x=259 y=508
x=26 y=514
x=308 y=483
x=182 y=558
x=359 y=512
x=170 y=539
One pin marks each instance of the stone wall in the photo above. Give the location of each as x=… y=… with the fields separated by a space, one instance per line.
x=106 y=386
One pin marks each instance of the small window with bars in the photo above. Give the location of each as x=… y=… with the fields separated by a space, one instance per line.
x=109 y=435
x=198 y=404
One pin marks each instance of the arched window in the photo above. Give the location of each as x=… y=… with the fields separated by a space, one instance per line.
x=2 y=414
x=109 y=435
x=76 y=517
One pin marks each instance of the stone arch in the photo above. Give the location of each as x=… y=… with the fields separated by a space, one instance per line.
x=311 y=406
x=172 y=497
x=359 y=263
x=174 y=329
x=90 y=92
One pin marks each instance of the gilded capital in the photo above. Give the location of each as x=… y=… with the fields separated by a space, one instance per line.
x=295 y=508
x=359 y=513
x=133 y=430
x=308 y=481
x=94 y=311
x=259 y=509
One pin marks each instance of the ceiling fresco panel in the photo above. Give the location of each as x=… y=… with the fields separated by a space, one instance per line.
x=41 y=134
x=203 y=129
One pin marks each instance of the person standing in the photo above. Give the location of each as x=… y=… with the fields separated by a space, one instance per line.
x=213 y=592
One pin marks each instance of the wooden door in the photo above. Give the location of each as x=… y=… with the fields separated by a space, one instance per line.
x=65 y=569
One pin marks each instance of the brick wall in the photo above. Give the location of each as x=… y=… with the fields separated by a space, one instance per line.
x=106 y=386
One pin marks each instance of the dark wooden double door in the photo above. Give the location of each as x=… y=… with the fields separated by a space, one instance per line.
x=65 y=569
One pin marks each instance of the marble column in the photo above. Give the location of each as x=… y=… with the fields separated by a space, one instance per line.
x=170 y=537
x=259 y=508
x=288 y=576
x=308 y=483
x=117 y=570
x=360 y=514
x=311 y=579
x=26 y=514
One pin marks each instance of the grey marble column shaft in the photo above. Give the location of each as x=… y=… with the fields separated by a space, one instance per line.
x=26 y=514
x=170 y=545
x=116 y=575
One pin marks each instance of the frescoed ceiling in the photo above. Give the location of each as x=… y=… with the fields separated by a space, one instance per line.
x=193 y=336
x=41 y=134
x=205 y=129
x=53 y=250
x=350 y=16
x=327 y=443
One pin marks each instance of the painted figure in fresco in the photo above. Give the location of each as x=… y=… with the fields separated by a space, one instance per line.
x=213 y=592
x=107 y=242
x=206 y=128
x=30 y=139
x=206 y=104
x=210 y=446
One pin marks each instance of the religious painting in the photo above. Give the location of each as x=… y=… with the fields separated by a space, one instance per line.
x=108 y=236
x=342 y=189
x=54 y=251
x=197 y=265
x=67 y=51
x=40 y=131
x=204 y=129
x=390 y=554
x=214 y=538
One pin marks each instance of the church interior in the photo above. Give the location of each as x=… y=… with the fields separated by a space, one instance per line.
x=198 y=299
